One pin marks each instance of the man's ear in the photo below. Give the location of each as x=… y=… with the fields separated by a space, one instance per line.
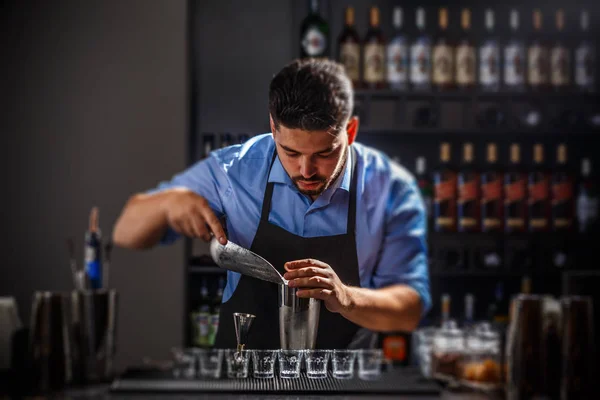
x=272 y=123
x=352 y=129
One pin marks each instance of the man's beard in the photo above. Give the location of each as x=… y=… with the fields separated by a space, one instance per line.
x=325 y=183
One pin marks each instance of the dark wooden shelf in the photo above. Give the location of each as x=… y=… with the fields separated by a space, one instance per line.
x=477 y=95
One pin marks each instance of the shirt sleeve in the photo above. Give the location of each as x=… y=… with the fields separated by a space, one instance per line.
x=207 y=179
x=403 y=256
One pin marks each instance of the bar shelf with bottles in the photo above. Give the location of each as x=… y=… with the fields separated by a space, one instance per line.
x=470 y=53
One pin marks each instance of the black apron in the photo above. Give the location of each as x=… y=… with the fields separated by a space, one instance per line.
x=279 y=246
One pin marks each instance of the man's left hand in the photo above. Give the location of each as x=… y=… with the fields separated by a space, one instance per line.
x=318 y=280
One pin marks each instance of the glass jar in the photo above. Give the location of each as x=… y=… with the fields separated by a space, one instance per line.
x=482 y=358
x=447 y=351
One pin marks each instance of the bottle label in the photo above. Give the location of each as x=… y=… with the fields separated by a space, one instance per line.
x=560 y=66
x=538 y=191
x=397 y=56
x=562 y=192
x=314 y=42
x=538 y=65
x=442 y=64
x=349 y=57
x=587 y=211
x=489 y=63
x=420 y=62
x=514 y=63
x=467 y=191
x=584 y=66
x=491 y=191
x=465 y=65
x=445 y=190
x=374 y=62
x=515 y=191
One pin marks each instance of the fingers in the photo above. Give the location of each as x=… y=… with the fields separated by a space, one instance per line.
x=312 y=282
x=309 y=262
x=199 y=228
x=321 y=294
x=214 y=224
x=306 y=272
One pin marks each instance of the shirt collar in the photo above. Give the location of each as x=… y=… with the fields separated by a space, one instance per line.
x=278 y=175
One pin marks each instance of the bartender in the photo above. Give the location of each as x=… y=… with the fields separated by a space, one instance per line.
x=338 y=219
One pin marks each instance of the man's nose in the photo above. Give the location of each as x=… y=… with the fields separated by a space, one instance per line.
x=307 y=167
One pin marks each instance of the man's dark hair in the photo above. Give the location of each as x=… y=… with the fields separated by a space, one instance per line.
x=312 y=95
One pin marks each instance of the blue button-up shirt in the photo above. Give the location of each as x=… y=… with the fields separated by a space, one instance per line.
x=391 y=220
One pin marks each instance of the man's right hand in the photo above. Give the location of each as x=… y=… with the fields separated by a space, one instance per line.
x=190 y=214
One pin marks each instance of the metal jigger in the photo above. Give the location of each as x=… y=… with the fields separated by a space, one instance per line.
x=242 y=327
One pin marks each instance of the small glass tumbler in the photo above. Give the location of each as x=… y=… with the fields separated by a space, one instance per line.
x=263 y=362
x=210 y=363
x=343 y=363
x=184 y=363
x=316 y=363
x=289 y=363
x=237 y=363
x=369 y=363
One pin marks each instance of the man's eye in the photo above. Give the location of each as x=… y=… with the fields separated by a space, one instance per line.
x=292 y=154
x=325 y=155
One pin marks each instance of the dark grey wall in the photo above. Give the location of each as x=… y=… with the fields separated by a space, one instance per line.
x=94 y=108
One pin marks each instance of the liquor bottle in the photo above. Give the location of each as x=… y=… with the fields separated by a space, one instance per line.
x=420 y=56
x=349 y=48
x=226 y=140
x=585 y=58
x=514 y=57
x=201 y=318
x=499 y=309
x=444 y=180
x=424 y=186
x=538 y=63
x=214 y=316
x=208 y=144
x=397 y=55
x=563 y=207
x=491 y=193
x=445 y=316
x=489 y=57
x=539 y=193
x=443 y=55
x=468 y=193
x=314 y=34
x=374 y=53
x=465 y=69
x=469 y=317
x=560 y=57
x=93 y=251
x=587 y=199
x=515 y=193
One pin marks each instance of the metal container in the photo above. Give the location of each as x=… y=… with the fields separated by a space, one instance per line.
x=94 y=320
x=298 y=319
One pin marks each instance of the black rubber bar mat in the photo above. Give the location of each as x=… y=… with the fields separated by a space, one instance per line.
x=398 y=381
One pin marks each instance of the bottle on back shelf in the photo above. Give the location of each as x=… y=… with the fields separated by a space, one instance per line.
x=314 y=33
x=201 y=318
x=514 y=57
x=539 y=193
x=560 y=57
x=93 y=251
x=443 y=55
x=538 y=60
x=445 y=316
x=563 y=206
x=464 y=68
x=492 y=199
x=425 y=186
x=444 y=180
x=468 y=193
x=420 y=56
x=515 y=193
x=397 y=55
x=469 y=317
x=214 y=316
x=585 y=58
x=489 y=57
x=374 y=53
x=349 y=48
x=587 y=199
x=498 y=309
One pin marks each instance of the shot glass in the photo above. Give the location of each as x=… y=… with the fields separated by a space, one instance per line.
x=210 y=363
x=184 y=363
x=237 y=363
x=369 y=363
x=343 y=363
x=263 y=362
x=316 y=363
x=289 y=363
